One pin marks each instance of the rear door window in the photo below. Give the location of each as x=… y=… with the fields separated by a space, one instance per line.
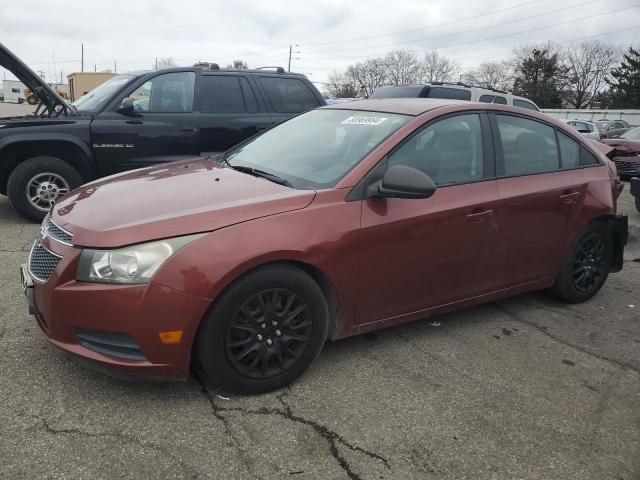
x=289 y=95
x=500 y=100
x=486 y=98
x=569 y=151
x=449 y=93
x=221 y=94
x=528 y=146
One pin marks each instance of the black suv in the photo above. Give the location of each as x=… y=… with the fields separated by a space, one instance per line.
x=134 y=120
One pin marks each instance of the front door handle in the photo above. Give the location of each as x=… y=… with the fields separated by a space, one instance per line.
x=478 y=215
x=569 y=197
x=189 y=130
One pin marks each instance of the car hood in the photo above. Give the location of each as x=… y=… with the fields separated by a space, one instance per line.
x=169 y=200
x=47 y=95
x=622 y=144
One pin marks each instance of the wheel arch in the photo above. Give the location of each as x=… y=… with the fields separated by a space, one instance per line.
x=16 y=149
x=320 y=277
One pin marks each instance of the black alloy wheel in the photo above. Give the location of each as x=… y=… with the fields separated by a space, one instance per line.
x=268 y=334
x=589 y=263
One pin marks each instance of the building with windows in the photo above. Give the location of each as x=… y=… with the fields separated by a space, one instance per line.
x=12 y=90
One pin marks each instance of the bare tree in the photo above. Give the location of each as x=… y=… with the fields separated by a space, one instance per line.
x=368 y=75
x=403 y=67
x=494 y=75
x=438 y=68
x=589 y=64
x=165 y=62
x=340 y=85
x=238 y=64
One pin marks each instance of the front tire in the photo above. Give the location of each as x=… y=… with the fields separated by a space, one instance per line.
x=638 y=203
x=264 y=331
x=36 y=183
x=588 y=265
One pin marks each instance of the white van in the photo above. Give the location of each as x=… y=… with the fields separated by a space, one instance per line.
x=458 y=91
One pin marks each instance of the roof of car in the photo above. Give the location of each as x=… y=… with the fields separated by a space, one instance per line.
x=405 y=106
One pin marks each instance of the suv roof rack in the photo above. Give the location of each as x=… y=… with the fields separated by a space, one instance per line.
x=277 y=69
x=462 y=84
x=212 y=66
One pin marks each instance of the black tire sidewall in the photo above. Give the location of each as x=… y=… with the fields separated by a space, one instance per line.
x=564 y=287
x=210 y=342
x=25 y=171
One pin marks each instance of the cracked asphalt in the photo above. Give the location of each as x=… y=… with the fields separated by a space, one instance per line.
x=525 y=388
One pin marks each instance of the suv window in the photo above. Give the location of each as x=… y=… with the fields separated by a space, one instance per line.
x=250 y=101
x=500 y=100
x=221 y=94
x=449 y=93
x=524 y=104
x=288 y=95
x=169 y=92
x=449 y=150
x=527 y=146
x=587 y=158
x=486 y=98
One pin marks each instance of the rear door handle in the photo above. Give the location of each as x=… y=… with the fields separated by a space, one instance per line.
x=569 y=197
x=478 y=215
x=189 y=130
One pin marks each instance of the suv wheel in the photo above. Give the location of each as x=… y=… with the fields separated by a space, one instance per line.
x=264 y=331
x=588 y=265
x=36 y=183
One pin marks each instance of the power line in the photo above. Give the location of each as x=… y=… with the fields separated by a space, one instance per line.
x=425 y=27
x=459 y=33
x=495 y=37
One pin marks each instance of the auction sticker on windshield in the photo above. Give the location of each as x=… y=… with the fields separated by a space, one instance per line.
x=364 y=120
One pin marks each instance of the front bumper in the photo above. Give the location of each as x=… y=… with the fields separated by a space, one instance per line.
x=114 y=326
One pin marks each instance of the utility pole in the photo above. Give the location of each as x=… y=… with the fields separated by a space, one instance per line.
x=156 y=63
x=82 y=57
x=290 y=49
x=115 y=67
x=95 y=68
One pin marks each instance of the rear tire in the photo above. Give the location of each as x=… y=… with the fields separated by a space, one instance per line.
x=264 y=331
x=37 y=182
x=587 y=266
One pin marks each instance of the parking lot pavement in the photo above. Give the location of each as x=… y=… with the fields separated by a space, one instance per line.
x=14 y=109
x=522 y=388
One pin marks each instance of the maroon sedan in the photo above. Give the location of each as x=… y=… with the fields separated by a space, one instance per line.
x=342 y=220
x=626 y=154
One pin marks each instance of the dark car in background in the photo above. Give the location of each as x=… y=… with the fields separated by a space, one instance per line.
x=612 y=128
x=626 y=153
x=135 y=120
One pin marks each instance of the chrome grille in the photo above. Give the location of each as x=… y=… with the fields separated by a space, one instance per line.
x=42 y=262
x=55 y=232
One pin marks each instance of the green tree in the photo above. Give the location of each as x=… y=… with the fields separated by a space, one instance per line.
x=540 y=75
x=625 y=82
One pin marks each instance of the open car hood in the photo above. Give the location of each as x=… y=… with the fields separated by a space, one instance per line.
x=47 y=95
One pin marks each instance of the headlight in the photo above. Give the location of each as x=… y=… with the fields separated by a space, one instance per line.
x=135 y=264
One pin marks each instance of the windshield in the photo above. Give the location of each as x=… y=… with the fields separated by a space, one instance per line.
x=633 y=134
x=316 y=149
x=99 y=96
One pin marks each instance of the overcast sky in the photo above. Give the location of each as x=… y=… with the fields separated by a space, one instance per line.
x=326 y=34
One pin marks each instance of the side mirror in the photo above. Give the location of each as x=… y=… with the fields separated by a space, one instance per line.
x=126 y=107
x=401 y=181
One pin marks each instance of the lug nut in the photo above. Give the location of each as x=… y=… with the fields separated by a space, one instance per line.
x=269 y=342
x=264 y=325
x=259 y=337
x=278 y=333
x=274 y=323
